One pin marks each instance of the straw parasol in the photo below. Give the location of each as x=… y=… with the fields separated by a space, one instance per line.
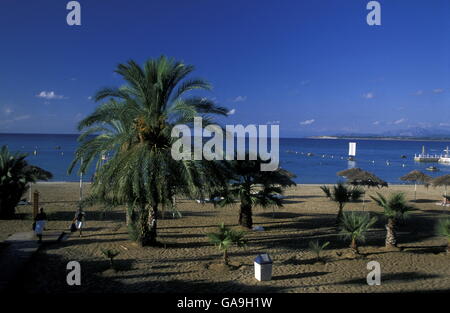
x=417 y=177
x=442 y=181
x=360 y=177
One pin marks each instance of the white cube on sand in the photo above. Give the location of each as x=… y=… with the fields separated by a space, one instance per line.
x=263 y=267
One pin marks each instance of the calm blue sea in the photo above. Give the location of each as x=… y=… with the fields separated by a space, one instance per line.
x=319 y=168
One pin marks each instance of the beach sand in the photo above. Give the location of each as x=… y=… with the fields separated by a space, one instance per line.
x=189 y=263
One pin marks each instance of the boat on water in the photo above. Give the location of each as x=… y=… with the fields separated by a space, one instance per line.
x=351 y=151
x=446 y=157
x=432 y=169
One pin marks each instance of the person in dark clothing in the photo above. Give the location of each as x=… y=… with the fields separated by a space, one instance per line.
x=79 y=220
x=39 y=223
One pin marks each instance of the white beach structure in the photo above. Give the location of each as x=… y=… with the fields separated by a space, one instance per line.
x=351 y=151
x=424 y=157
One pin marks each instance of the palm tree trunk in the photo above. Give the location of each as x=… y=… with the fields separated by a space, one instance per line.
x=354 y=246
x=391 y=236
x=152 y=222
x=415 y=192
x=364 y=198
x=245 y=216
x=129 y=215
x=225 y=257
x=340 y=213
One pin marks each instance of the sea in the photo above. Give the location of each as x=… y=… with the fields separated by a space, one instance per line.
x=313 y=161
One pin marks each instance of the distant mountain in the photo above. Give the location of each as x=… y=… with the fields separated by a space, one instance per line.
x=407 y=133
x=418 y=132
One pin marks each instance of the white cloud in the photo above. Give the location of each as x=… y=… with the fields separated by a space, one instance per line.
x=240 y=99
x=307 y=122
x=399 y=121
x=231 y=112
x=444 y=124
x=376 y=123
x=8 y=111
x=49 y=95
x=78 y=117
x=438 y=90
x=418 y=93
x=369 y=95
x=22 y=117
x=304 y=82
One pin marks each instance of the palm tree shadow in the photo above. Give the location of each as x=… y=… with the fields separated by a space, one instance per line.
x=299 y=275
x=393 y=277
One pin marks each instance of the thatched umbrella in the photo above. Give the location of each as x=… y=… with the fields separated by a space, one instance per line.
x=417 y=177
x=442 y=181
x=360 y=177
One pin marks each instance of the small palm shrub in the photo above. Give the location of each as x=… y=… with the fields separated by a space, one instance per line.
x=225 y=238
x=342 y=194
x=317 y=248
x=443 y=229
x=356 y=193
x=110 y=254
x=326 y=190
x=354 y=226
x=396 y=208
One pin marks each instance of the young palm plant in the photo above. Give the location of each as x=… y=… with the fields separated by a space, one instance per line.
x=225 y=238
x=443 y=229
x=133 y=127
x=110 y=254
x=353 y=226
x=342 y=194
x=317 y=248
x=15 y=176
x=253 y=187
x=395 y=208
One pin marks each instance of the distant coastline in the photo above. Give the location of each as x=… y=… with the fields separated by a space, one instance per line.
x=381 y=138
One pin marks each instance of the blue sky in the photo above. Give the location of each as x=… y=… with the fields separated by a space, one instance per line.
x=313 y=66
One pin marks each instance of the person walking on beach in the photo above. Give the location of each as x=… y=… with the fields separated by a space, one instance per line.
x=39 y=223
x=79 y=220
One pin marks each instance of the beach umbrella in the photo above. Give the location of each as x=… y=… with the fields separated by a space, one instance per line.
x=442 y=181
x=360 y=177
x=417 y=177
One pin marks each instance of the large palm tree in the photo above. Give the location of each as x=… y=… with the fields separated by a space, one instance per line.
x=15 y=176
x=395 y=208
x=253 y=187
x=133 y=126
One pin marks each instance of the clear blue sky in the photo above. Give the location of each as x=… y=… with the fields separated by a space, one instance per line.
x=313 y=66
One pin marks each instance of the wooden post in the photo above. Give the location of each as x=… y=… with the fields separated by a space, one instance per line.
x=35 y=203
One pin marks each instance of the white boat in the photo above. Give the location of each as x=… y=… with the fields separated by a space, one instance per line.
x=446 y=157
x=351 y=151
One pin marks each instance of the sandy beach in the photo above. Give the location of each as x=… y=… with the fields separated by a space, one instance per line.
x=189 y=263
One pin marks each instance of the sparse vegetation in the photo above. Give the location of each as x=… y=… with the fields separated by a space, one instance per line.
x=395 y=208
x=353 y=226
x=342 y=194
x=317 y=248
x=225 y=238
x=110 y=254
